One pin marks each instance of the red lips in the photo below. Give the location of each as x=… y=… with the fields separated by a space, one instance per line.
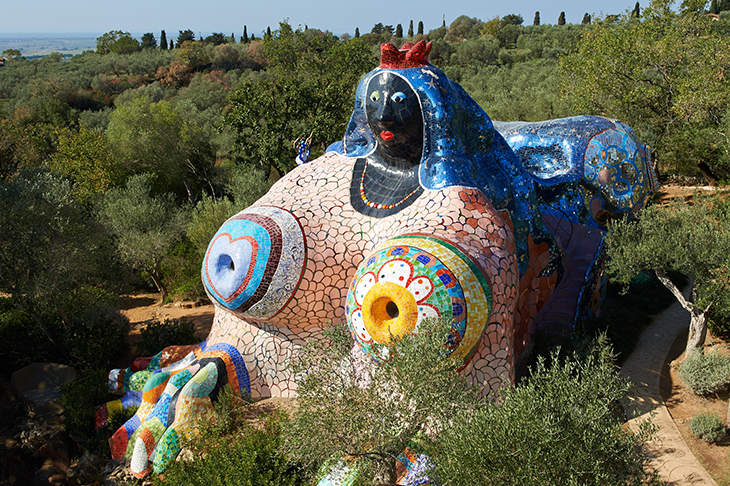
x=386 y=135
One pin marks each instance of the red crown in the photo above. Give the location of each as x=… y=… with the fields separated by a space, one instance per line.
x=409 y=56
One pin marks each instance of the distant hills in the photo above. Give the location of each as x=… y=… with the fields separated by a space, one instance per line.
x=31 y=47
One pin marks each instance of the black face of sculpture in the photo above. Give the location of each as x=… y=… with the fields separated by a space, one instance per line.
x=394 y=115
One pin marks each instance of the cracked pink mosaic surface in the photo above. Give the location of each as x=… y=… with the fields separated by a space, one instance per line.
x=337 y=239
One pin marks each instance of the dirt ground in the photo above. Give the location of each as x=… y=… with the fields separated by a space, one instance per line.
x=143 y=308
x=668 y=192
x=683 y=404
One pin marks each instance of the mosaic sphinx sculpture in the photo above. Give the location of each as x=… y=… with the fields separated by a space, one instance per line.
x=426 y=208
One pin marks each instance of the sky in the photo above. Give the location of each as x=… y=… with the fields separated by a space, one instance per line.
x=95 y=17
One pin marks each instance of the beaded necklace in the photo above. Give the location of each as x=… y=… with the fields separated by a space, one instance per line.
x=376 y=205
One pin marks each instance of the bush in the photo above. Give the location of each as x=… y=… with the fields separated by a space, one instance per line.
x=350 y=407
x=29 y=343
x=181 y=272
x=718 y=317
x=81 y=400
x=230 y=451
x=246 y=186
x=708 y=427
x=157 y=335
x=705 y=373
x=209 y=215
x=561 y=426
x=98 y=336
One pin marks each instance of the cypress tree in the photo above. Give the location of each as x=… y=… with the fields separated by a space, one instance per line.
x=586 y=19
x=172 y=44
x=637 y=11
x=561 y=19
x=244 y=39
x=268 y=32
x=420 y=27
x=252 y=38
x=357 y=32
x=410 y=29
x=163 y=40
x=536 y=20
x=399 y=30
x=233 y=38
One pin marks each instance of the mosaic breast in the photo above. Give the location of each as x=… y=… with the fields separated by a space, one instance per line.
x=255 y=261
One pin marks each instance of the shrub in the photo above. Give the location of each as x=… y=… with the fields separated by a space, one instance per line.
x=181 y=272
x=718 y=317
x=98 y=335
x=157 y=335
x=81 y=400
x=29 y=342
x=708 y=427
x=230 y=451
x=245 y=186
x=209 y=214
x=561 y=426
x=705 y=373
x=350 y=407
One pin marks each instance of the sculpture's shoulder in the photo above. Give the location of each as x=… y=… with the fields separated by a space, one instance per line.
x=324 y=178
x=330 y=166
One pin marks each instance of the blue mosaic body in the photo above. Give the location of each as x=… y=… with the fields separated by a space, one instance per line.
x=587 y=169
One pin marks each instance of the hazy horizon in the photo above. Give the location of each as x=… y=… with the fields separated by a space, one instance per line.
x=89 y=18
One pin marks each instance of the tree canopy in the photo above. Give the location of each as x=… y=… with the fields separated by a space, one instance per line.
x=690 y=239
x=666 y=77
x=308 y=89
x=49 y=245
x=145 y=227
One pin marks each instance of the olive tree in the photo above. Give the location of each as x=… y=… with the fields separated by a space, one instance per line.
x=49 y=245
x=690 y=239
x=663 y=74
x=145 y=227
x=84 y=156
x=349 y=406
x=307 y=90
x=164 y=139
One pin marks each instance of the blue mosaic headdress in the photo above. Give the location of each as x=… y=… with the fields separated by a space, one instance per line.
x=461 y=146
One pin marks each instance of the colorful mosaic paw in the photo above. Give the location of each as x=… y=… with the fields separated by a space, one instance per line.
x=121 y=441
x=173 y=400
x=193 y=404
